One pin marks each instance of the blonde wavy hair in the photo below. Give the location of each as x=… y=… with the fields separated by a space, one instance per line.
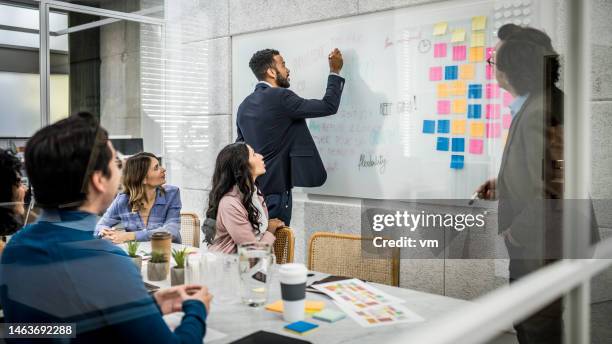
x=134 y=172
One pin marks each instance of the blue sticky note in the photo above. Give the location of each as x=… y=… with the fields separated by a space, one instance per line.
x=442 y=144
x=474 y=111
x=429 y=127
x=475 y=91
x=458 y=144
x=451 y=72
x=456 y=162
x=443 y=126
x=301 y=326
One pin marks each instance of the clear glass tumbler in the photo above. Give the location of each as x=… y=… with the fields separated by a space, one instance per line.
x=255 y=264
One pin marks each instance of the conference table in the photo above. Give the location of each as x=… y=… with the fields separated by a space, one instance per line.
x=236 y=320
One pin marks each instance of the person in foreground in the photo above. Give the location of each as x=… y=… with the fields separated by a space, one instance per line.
x=56 y=271
x=236 y=203
x=12 y=195
x=145 y=206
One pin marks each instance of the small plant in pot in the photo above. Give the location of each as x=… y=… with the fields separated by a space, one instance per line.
x=177 y=273
x=157 y=269
x=132 y=249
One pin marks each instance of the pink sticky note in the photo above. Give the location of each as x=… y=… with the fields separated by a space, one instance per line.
x=444 y=107
x=440 y=50
x=459 y=53
x=476 y=146
x=507 y=99
x=435 y=73
x=506 y=120
x=492 y=111
x=490 y=74
x=493 y=130
x=489 y=52
x=492 y=91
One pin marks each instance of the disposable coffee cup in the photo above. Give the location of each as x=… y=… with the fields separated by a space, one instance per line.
x=293 y=291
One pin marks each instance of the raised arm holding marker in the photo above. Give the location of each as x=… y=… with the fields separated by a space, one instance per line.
x=473 y=198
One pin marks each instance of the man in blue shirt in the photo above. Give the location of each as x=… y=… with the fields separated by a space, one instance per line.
x=55 y=271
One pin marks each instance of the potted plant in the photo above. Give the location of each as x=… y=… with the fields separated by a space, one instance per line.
x=157 y=267
x=177 y=273
x=132 y=248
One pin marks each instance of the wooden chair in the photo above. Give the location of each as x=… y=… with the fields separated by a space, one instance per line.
x=341 y=255
x=284 y=245
x=190 y=229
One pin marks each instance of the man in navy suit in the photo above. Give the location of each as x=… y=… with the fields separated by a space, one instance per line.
x=272 y=120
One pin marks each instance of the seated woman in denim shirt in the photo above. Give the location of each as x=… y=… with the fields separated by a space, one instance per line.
x=145 y=206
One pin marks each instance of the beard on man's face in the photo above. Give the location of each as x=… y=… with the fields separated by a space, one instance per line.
x=281 y=81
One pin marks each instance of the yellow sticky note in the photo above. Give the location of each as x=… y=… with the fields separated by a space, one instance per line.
x=478 y=39
x=458 y=126
x=477 y=54
x=479 y=23
x=458 y=88
x=477 y=129
x=459 y=106
x=440 y=29
x=458 y=36
x=443 y=90
x=467 y=72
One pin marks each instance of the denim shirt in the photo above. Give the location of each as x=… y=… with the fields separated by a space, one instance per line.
x=164 y=215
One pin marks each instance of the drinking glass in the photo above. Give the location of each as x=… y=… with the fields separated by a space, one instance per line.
x=255 y=265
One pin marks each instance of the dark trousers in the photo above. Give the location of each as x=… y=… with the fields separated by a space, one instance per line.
x=279 y=206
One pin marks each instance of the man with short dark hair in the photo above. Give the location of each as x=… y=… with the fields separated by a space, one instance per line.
x=55 y=271
x=272 y=120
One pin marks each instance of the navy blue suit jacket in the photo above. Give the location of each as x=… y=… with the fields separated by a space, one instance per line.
x=272 y=120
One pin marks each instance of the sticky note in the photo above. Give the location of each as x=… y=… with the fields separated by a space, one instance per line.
x=489 y=53
x=456 y=162
x=459 y=53
x=478 y=39
x=301 y=327
x=506 y=121
x=467 y=72
x=458 y=144
x=492 y=111
x=477 y=129
x=329 y=315
x=474 y=111
x=440 y=29
x=429 y=127
x=444 y=107
x=492 y=91
x=458 y=88
x=477 y=54
x=442 y=144
x=507 y=99
x=479 y=23
x=435 y=73
x=490 y=72
x=476 y=146
x=475 y=91
x=459 y=106
x=443 y=90
x=458 y=126
x=493 y=130
x=443 y=126
x=451 y=72
x=310 y=306
x=440 y=50
x=458 y=36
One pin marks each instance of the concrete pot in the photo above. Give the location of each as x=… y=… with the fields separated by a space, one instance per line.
x=177 y=276
x=157 y=271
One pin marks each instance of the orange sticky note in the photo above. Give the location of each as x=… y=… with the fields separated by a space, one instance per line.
x=479 y=23
x=477 y=129
x=478 y=39
x=477 y=54
x=458 y=126
x=458 y=88
x=467 y=72
x=309 y=307
x=459 y=106
x=443 y=90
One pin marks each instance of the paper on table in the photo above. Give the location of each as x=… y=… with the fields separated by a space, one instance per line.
x=174 y=320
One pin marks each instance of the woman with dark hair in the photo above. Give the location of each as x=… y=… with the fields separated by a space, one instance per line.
x=235 y=202
x=12 y=194
x=145 y=206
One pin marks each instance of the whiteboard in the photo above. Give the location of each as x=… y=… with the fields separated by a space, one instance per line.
x=376 y=145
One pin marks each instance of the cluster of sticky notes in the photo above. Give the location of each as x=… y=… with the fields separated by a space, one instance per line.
x=309 y=306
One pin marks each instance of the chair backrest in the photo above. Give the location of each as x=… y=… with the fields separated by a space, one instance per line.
x=190 y=229
x=341 y=255
x=284 y=245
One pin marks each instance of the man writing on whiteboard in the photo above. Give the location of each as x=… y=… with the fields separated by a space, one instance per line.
x=272 y=120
